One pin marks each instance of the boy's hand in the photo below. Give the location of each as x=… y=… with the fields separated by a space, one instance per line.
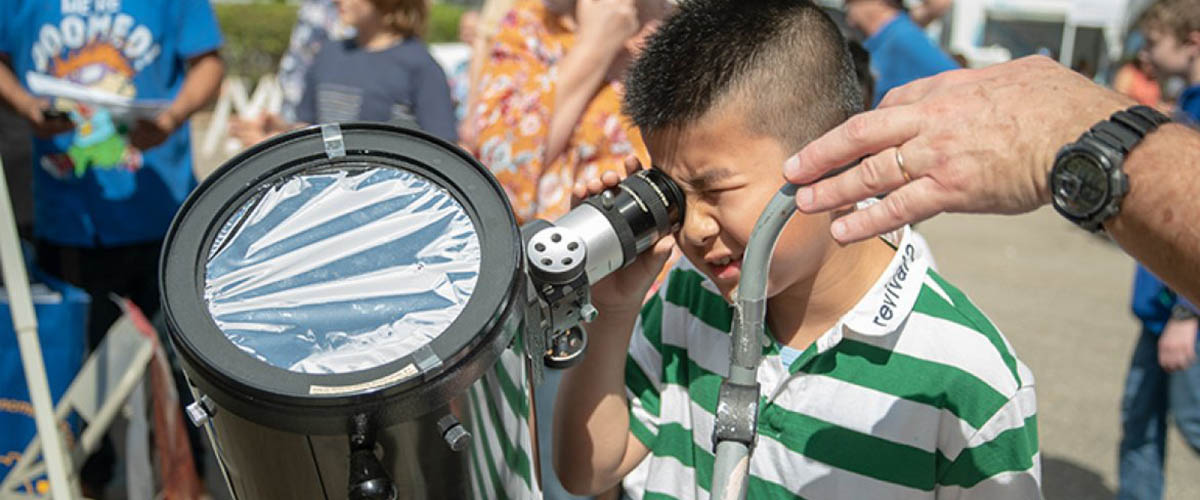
x=34 y=110
x=625 y=289
x=150 y=133
x=1177 y=345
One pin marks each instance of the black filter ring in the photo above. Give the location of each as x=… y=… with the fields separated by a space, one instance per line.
x=399 y=390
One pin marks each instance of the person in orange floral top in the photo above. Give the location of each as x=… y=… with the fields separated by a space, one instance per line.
x=548 y=109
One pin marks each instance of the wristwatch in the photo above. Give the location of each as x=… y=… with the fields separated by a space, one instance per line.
x=1087 y=182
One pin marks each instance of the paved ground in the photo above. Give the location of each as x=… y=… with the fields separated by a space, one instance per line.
x=1062 y=298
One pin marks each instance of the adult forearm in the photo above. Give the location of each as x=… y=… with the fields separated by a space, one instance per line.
x=1157 y=223
x=580 y=74
x=591 y=415
x=200 y=86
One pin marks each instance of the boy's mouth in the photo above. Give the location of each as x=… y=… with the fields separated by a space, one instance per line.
x=726 y=268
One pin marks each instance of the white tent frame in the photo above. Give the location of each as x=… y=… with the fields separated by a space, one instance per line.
x=110 y=374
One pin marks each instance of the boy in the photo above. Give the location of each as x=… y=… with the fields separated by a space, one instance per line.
x=881 y=379
x=1172 y=30
x=1162 y=374
x=102 y=203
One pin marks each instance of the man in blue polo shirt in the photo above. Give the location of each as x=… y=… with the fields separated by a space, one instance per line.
x=900 y=51
x=104 y=190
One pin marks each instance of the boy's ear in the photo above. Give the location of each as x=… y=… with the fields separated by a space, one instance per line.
x=1193 y=38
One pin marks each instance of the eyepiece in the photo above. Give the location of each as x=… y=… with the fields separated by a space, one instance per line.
x=624 y=221
x=668 y=192
x=644 y=207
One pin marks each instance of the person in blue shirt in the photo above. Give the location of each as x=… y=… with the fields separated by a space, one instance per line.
x=105 y=192
x=1163 y=378
x=900 y=51
x=1163 y=374
x=105 y=189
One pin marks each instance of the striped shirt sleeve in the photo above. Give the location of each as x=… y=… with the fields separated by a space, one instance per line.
x=643 y=371
x=1001 y=459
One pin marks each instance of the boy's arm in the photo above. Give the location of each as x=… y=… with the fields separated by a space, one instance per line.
x=200 y=86
x=594 y=447
x=593 y=444
x=1001 y=458
x=26 y=105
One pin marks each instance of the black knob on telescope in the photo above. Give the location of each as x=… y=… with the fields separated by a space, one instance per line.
x=368 y=479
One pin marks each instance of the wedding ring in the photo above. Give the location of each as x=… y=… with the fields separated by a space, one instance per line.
x=900 y=163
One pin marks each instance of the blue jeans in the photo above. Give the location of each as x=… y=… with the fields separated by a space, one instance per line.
x=1150 y=393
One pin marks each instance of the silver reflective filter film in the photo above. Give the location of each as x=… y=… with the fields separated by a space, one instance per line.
x=334 y=271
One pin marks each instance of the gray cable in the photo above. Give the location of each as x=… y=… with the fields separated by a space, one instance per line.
x=731 y=469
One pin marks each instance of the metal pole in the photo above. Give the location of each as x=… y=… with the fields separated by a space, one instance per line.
x=62 y=475
x=1066 y=54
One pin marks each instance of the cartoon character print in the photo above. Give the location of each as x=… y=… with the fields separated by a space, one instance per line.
x=99 y=143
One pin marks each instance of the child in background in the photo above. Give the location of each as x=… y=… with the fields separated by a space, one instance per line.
x=1163 y=376
x=879 y=379
x=384 y=74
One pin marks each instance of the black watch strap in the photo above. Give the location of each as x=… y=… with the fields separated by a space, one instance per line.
x=1125 y=129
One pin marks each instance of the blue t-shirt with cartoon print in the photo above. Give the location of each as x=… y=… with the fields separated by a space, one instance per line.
x=91 y=188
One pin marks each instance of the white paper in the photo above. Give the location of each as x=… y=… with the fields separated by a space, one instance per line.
x=123 y=109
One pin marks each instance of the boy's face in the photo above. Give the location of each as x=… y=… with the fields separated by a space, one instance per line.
x=357 y=13
x=1169 y=54
x=728 y=174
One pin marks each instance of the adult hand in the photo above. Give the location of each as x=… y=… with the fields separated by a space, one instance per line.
x=150 y=133
x=606 y=24
x=1177 y=345
x=979 y=141
x=33 y=109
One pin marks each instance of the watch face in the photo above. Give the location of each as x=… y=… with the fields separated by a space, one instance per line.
x=1080 y=185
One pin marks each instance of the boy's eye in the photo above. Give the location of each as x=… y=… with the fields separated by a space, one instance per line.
x=713 y=192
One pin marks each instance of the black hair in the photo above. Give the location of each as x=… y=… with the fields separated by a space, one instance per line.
x=862 y=70
x=785 y=58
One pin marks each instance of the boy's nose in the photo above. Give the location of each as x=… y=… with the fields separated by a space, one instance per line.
x=699 y=227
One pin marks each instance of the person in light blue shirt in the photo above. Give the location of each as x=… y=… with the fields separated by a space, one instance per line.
x=104 y=183
x=106 y=188
x=900 y=51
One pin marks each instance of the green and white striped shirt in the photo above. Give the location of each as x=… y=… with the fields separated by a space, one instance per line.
x=500 y=464
x=913 y=394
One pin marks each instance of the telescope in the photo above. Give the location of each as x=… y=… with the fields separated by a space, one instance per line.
x=359 y=315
